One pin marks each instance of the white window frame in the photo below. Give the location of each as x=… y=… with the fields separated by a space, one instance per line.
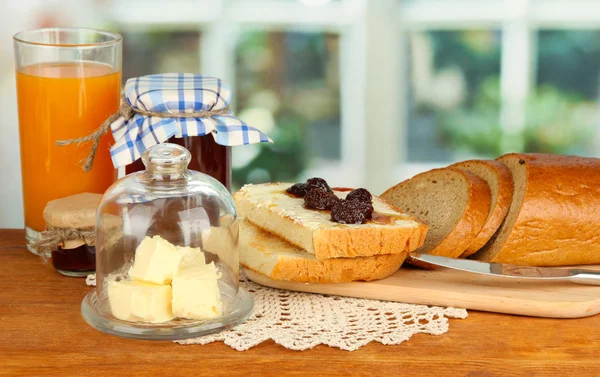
x=373 y=39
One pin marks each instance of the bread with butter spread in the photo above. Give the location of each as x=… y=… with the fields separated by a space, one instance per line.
x=269 y=207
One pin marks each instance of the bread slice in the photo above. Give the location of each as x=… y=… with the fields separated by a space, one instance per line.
x=271 y=208
x=499 y=179
x=555 y=212
x=269 y=255
x=453 y=202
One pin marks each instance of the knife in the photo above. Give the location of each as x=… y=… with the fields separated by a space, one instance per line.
x=574 y=275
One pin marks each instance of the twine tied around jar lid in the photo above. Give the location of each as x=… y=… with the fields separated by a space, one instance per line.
x=126 y=111
x=53 y=238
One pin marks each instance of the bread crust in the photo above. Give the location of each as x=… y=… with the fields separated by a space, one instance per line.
x=499 y=209
x=557 y=222
x=469 y=225
x=337 y=240
x=472 y=221
x=312 y=270
x=336 y=270
x=337 y=243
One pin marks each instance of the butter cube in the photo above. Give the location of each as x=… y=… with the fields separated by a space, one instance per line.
x=156 y=260
x=192 y=256
x=132 y=300
x=196 y=293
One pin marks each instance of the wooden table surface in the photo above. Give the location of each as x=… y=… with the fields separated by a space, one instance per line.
x=42 y=334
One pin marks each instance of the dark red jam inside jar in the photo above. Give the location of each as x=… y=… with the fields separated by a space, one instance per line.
x=208 y=157
x=79 y=261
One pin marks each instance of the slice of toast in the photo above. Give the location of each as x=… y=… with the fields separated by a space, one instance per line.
x=499 y=178
x=453 y=202
x=271 y=208
x=269 y=255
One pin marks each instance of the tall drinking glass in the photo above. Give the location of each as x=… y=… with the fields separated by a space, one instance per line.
x=68 y=83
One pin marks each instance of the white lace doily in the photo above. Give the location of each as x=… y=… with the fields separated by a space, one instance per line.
x=300 y=321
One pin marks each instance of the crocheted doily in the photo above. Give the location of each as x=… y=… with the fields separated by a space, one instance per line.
x=300 y=321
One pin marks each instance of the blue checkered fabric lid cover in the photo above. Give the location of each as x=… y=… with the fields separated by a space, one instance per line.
x=177 y=93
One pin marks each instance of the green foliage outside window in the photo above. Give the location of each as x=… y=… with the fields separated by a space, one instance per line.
x=291 y=79
x=561 y=111
x=556 y=122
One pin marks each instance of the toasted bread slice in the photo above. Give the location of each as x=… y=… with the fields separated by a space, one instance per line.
x=271 y=208
x=453 y=202
x=269 y=255
x=554 y=216
x=499 y=179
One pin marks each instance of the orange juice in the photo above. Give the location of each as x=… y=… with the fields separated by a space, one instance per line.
x=59 y=101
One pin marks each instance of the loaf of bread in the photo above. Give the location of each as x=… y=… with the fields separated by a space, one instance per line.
x=269 y=207
x=554 y=218
x=500 y=182
x=269 y=255
x=453 y=202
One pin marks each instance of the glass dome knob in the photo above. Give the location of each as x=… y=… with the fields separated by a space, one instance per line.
x=166 y=157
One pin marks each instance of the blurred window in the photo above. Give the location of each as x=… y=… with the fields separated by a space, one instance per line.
x=483 y=79
x=563 y=107
x=454 y=100
x=288 y=85
x=148 y=52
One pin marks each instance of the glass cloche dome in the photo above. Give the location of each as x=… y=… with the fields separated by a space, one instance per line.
x=167 y=262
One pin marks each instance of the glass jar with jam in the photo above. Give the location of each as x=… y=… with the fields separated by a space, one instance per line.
x=207 y=157
x=190 y=110
x=167 y=258
x=69 y=238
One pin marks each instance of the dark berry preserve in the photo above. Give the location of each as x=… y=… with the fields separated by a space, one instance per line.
x=79 y=261
x=208 y=157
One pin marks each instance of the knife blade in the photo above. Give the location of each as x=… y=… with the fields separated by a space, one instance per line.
x=575 y=275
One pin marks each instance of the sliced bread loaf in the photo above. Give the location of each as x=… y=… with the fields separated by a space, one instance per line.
x=499 y=179
x=555 y=212
x=453 y=202
x=271 y=208
x=269 y=255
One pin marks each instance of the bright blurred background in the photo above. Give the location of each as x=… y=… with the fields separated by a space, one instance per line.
x=362 y=93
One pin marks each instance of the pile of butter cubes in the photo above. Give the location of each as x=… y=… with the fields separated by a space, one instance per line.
x=166 y=281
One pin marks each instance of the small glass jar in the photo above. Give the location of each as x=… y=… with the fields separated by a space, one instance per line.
x=69 y=236
x=167 y=261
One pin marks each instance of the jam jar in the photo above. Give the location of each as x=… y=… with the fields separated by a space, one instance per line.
x=69 y=238
x=208 y=157
x=167 y=262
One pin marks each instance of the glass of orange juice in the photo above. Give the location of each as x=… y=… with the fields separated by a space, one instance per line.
x=68 y=84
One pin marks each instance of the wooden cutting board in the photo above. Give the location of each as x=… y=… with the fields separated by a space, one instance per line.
x=445 y=287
